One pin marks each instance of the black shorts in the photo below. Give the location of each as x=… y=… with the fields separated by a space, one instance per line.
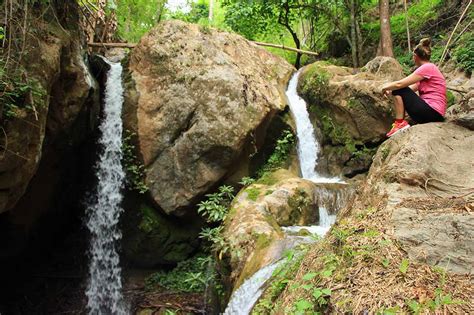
x=417 y=108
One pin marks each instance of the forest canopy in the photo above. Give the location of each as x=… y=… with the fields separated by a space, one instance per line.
x=346 y=32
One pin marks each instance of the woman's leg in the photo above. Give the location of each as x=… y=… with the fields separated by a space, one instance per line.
x=399 y=107
x=416 y=107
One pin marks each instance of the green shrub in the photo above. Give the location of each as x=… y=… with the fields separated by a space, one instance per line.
x=134 y=169
x=281 y=153
x=188 y=276
x=464 y=53
x=215 y=207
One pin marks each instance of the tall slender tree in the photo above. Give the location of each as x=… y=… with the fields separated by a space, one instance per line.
x=386 y=45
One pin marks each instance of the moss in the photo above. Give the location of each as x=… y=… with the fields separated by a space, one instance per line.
x=149 y=219
x=451 y=99
x=298 y=202
x=268 y=178
x=315 y=80
x=335 y=133
x=253 y=193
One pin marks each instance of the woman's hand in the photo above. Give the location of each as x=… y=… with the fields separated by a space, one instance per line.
x=386 y=90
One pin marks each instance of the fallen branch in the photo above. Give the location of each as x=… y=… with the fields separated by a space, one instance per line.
x=456 y=90
x=132 y=45
x=301 y=51
x=445 y=51
x=112 y=45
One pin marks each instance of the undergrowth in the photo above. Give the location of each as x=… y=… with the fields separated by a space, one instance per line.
x=284 y=144
x=358 y=258
x=134 y=169
x=191 y=275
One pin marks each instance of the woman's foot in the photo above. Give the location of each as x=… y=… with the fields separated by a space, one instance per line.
x=398 y=126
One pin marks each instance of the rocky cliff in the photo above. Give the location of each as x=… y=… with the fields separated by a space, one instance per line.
x=41 y=136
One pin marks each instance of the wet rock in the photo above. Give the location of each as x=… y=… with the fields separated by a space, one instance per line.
x=199 y=100
x=151 y=238
x=253 y=226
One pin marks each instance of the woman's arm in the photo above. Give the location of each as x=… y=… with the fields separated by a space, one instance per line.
x=414 y=87
x=410 y=80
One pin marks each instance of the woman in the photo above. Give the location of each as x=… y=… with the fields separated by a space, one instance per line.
x=430 y=105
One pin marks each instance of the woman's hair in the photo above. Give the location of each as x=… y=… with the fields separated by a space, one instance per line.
x=423 y=49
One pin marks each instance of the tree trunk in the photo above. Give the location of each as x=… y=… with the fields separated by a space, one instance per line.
x=385 y=32
x=355 y=48
x=407 y=25
x=211 y=10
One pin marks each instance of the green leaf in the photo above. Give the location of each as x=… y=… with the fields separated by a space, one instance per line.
x=404 y=266
x=309 y=276
x=303 y=305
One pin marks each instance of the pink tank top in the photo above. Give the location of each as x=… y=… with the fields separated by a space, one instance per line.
x=432 y=88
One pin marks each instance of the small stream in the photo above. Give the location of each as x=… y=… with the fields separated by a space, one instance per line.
x=330 y=201
x=104 y=286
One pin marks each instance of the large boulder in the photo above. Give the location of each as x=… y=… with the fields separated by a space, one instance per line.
x=199 y=100
x=349 y=110
x=428 y=174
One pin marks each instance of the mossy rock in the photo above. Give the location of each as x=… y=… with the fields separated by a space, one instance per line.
x=151 y=238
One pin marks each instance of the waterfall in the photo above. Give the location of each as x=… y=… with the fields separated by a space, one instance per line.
x=104 y=287
x=329 y=201
x=244 y=298
x=308 y=147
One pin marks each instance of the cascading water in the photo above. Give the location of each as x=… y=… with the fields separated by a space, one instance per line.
x=244 y=298
x=308 y=147
x=250 y=291
x=104 y=287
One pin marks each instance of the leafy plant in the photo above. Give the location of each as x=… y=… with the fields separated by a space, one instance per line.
x=280 y=154
x=404 y=266
x=188 y=276
x=247 y=181
x=464 y=53
x=134 y=169
x=215 y=207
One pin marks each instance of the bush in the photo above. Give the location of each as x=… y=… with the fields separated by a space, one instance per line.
x=464 y=53
x=188 y=276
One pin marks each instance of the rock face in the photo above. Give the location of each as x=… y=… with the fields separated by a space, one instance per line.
x=428 y=174
x=151 y=238
x=196 y=98
x=351 y=114
x=52 y=119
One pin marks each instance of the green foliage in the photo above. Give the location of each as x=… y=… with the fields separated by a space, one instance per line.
x=300 y=200
x=253 y=193
x=215 y=207
x=188 y=276
x=18 y=93
x=463 y=54
x=451 y=99
x=404 y=266
x=419 y=13
x=315 y=81
x=247 y=181
x=280 y=279
x=281 y=153
x=134 y=169
x=136 y=17
x=214 y=236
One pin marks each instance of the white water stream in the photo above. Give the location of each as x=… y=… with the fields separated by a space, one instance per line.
x=244 y=298
x=104 y=287
x=308 y=146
